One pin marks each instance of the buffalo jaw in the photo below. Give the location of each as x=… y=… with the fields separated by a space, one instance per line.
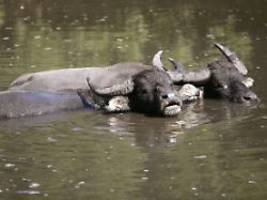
x=171 y=106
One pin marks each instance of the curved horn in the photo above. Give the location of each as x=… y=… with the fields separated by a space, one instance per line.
x=157 y=60
x=177 y=66
x=119 y=89
x=231 y=57
x=198 y=77
x=176 y=77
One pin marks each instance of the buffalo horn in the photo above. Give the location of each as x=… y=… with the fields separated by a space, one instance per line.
x=157 y=60
x=119 y=89
x=200 y=76
x=231 y=57
x=177 y=66
x=181 y=75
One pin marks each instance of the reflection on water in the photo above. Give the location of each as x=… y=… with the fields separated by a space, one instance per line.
x=213 y=150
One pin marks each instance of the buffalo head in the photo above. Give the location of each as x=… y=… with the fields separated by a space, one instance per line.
x=225 y=78
x=150 y=91
x=154 y=93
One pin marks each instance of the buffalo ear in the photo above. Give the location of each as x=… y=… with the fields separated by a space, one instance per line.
x=87 y=98
x=248 y=82
x=118 y=104
x=232 y=57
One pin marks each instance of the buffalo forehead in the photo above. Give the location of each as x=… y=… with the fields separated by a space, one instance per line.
x=155 y=77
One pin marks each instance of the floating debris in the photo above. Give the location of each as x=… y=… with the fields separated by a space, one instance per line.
x=10 y=165
x=252 y=182
x=49 y=166
x=37 y=37
x=223 y=195
x=48 y=48
x=8 y=28
x=50 y=139
x=201 y=157
x=26 y=179
x=6 y=38
x=210 y=36
x=144 y=178
x=181 y=122
x=29 y=192
x=103 y=19
x=79 y=184
x=76 y=129
x=34 y=185
x=172 y=140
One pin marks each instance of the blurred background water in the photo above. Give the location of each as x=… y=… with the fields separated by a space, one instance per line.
x=213 y=150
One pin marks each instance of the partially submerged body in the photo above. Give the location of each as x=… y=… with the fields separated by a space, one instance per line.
x=72 y=79
x=125 y=87
x=15 y=104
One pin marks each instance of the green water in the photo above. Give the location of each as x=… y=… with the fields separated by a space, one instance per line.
x=213 y=150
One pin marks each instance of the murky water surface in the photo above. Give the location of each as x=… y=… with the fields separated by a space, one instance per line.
x=213 y=150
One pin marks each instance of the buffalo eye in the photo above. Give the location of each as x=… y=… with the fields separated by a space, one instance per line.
x=158 y=89
x=221 y=86
x=165 y=96
x=143 y=91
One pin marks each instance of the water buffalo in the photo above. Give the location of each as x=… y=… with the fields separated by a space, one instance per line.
x=150 y=91
x=225 y=78
x=126 y=86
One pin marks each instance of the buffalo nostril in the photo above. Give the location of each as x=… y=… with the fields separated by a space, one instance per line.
x=165 y=96
x=247 y=98
x=168 y=96
x=250 y=97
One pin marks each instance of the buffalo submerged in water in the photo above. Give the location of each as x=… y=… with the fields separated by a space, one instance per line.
x=126 y=86
x=149 y=88
x=225 y=78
